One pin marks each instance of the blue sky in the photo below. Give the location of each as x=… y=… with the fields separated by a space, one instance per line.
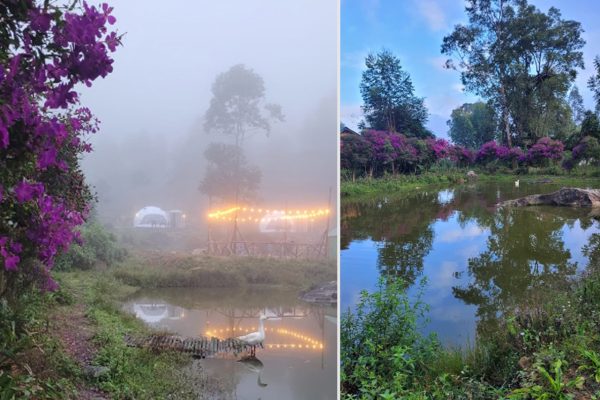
x=413 y=30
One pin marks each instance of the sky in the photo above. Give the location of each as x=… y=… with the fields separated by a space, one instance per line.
x=149 y=150
x=413 y=30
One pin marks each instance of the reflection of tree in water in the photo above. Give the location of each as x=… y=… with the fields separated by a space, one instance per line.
x=592 y=252
x=401 y=227
x=404 y=258
x=525 y=258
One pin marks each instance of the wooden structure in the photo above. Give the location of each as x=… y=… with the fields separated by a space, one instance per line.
x=286 y=248
x=196 y=346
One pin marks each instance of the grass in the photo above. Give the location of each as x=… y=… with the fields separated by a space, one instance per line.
x=364 y=187
x=132 y=373
x=81 y=324
x=166 y=270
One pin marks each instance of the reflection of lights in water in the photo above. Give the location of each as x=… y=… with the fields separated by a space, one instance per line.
x=309 y=343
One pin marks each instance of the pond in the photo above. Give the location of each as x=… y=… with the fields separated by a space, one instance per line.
x=299 y=356
x=478 y=260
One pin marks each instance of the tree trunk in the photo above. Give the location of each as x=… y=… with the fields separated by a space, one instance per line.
x=505 y=117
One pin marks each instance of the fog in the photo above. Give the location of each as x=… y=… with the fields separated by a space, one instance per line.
x=152 y=138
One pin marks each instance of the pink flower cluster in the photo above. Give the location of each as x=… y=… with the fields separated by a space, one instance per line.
x=382 y=152
x=545 y=149
x=43 y=197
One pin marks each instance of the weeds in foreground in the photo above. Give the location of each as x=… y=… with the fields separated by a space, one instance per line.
x=384 y=356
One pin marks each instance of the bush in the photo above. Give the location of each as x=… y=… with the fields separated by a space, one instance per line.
x=381 y=348
x=98 y=246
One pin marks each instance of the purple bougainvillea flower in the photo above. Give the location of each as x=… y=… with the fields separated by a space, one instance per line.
x=25 y=191
x=47 y=158
x=40 y=22
x=11 y=261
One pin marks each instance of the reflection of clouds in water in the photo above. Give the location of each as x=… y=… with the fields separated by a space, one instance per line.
x=445 y=196
x=470 y=251
x=451 y=313
x=574 y=237
x=455 y=235
x=443 y=278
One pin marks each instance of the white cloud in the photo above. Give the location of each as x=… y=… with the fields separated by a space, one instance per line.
x=433 y=14
x=444 y=103
x=351 y=115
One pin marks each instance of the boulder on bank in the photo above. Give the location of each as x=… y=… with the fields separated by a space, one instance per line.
x=565 y=197
x=471 y=175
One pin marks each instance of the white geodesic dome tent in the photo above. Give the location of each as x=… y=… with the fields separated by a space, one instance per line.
x=151 y=217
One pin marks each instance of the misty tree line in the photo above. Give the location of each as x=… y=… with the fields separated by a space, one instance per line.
x=237 y=109
x=520 y=61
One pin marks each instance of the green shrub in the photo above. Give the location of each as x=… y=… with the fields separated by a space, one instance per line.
x=381 y=348
x=98 y=246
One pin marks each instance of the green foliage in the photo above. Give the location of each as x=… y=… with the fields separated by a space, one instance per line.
x=554 y=386
x=228 y=175
x=594 y=82
x=590 y=126
x=23 y=338
x=98 y=246
x=576 y=103
x=132 y=373
x=473 y=124
x=593 y=363
x=520 y=59
x=238 y=104
x=389 y=102
x=381 y=349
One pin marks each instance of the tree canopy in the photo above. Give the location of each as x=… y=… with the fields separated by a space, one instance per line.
x=472 y=125
x=520 y=59
x=229 y=177
x=389 y=102
x=238 y=105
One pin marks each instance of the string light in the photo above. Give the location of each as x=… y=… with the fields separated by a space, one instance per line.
x=247 y=214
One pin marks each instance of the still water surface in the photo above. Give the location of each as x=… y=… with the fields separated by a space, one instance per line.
x=478 y=260
x=299 y=356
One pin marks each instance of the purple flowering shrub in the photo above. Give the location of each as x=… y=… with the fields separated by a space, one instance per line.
x=587 y=150
x=492 y=151
x=387 y=152
x=45 y=51
x=462 y=156
x=544 y=150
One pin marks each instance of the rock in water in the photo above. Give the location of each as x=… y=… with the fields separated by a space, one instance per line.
x=565 y=197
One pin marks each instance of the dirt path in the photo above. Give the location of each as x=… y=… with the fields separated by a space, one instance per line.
x=74 y=331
